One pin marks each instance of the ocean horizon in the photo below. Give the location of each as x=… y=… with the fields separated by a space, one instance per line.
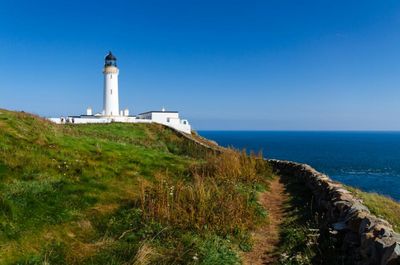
x=368 y=160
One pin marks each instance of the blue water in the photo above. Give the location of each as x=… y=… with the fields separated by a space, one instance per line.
x=367 y=160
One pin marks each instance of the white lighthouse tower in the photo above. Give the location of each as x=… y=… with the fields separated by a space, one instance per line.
x=111 y=101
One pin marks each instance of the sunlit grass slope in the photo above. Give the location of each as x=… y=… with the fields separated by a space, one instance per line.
x=121 y=194
x=381 y=206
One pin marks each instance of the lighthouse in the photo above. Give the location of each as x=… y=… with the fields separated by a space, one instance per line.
x=110 y=71
x=111 y=111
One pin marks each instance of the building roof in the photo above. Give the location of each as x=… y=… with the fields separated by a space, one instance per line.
x=110 y=56
x=158 y=111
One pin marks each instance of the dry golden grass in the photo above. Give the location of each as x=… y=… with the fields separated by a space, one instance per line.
x=232 y=166
x=213 y=200
x=145 y=254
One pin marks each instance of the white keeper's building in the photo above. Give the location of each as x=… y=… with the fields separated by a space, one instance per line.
x=111 y=111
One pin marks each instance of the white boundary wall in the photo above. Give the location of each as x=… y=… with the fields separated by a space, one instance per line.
x=175 y=123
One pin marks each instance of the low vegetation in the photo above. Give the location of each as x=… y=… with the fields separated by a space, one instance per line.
x=298 y=233
x=122 y=194
x=305 y=238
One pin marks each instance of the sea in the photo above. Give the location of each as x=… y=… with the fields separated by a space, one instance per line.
x=369 y=161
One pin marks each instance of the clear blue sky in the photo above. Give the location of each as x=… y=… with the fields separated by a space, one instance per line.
x=289 y=65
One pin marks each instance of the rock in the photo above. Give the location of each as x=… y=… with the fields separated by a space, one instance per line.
x=339 y=226
x=367 y=249
x=342 y=206
x=351 y=240
x=396 y=236
x=344 y=197
x=355 y=209
x=365 y=225
x=391 y=256
x=382 y=244
x=381 y=230
x=355 y=222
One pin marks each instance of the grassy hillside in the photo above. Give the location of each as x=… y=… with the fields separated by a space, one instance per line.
x=121 y=194
x=381 y=206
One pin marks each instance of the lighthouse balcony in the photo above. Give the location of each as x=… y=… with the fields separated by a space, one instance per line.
x=110 y=70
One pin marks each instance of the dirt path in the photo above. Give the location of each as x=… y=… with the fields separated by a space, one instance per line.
x=266 y=238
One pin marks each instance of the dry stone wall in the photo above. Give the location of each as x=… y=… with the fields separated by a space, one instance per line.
x=364 y=238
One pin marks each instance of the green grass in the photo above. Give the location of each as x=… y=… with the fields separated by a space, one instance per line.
x=302 y=240
x=381 y=206
x=91 y=194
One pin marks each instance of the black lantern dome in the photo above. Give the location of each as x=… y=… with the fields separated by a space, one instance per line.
x=110 y=60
